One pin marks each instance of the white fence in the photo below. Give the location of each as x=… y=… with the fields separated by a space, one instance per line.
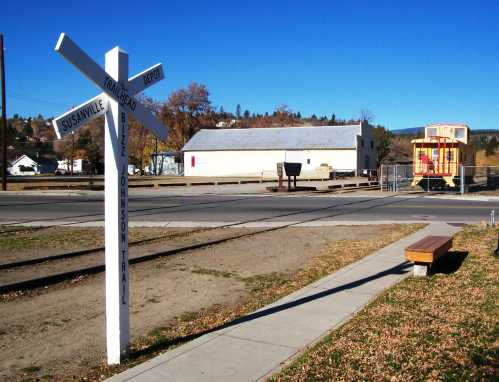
x=476 y=178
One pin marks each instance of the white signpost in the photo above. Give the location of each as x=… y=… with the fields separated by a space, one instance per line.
x=116 y=102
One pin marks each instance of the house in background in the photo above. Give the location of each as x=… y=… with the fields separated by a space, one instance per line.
x=64 y=166
x=164 y=163
x=24 y=165
x=256 y=151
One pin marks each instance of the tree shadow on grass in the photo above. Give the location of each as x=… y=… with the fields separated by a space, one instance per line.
x=449 y=263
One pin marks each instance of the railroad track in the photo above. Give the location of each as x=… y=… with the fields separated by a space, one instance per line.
x=49 y=279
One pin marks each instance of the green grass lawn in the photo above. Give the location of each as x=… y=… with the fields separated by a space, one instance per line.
x=441 y=328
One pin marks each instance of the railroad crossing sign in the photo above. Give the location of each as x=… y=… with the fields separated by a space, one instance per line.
x=115 y=102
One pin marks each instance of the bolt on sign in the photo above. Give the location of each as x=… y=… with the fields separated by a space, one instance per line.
x=116 y=101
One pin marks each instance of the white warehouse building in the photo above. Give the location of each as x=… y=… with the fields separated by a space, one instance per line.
x=256 y=151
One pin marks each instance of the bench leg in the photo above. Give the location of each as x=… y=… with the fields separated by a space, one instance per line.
x=421 y=269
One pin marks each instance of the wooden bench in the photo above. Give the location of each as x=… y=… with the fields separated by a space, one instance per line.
x=424 y=252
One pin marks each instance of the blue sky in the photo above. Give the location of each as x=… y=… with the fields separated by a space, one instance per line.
x=409 y=62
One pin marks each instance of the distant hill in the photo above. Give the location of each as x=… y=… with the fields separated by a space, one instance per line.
x=409 y=131
x=485 y=132
x=420 y=130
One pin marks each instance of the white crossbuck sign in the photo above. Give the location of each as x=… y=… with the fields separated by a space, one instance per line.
x=116 y=101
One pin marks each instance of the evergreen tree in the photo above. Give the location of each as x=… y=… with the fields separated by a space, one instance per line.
x=93 y=156
x=491 y=147
x=382 y=140
x=222 y=113
x=27 y=129
x=84 y=140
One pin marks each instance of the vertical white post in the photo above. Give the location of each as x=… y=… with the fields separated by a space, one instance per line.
x=462 y=179
x=116 y=209
x=381 y=177
x=396 y=180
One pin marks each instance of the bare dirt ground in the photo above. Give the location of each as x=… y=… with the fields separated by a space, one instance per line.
x=57 y=333
x=488 y=193
x=42 y=243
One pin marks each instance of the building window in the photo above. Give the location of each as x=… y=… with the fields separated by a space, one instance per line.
x=193 y=161
x=308 y=161
x=459 y=133
x=372 y=144
x=26 y=168
x=362 y=143
x=431 y=132
x=450 y=156
x=434 y=155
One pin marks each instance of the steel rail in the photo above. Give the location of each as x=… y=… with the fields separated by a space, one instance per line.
x=58 y=277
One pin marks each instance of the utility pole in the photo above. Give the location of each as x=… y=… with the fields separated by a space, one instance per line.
x=72 y=151
x=156 y=156
x=4 y=118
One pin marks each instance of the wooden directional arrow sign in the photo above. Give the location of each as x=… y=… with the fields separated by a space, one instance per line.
x=116 y=102
x=115 y=90
x=87 y=111
x=142 y=81
x=75 y=118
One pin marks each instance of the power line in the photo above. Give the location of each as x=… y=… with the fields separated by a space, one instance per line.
x=4 y=117
x=33 y=100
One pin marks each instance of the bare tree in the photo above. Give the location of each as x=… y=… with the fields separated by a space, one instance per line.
x=367 y=115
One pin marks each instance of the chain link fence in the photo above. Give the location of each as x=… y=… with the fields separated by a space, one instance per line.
x=480 y=178
x=476 y=178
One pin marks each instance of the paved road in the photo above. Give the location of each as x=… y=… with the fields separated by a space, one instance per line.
x=156 y=207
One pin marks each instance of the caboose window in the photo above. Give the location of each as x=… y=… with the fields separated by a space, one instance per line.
x=459 y=133
x=431 y=132
x=434 y=154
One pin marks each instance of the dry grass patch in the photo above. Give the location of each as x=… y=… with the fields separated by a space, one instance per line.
x=444 y=327
x=315 y=255
x=264 y=289
x=483 y=160
x=35 y=238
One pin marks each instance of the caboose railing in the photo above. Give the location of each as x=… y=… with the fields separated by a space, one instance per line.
x=444 y=163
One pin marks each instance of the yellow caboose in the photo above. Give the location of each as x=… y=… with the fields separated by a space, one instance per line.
x=439 y=155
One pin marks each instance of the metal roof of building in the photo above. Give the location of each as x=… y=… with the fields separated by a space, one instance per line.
x=275 y=138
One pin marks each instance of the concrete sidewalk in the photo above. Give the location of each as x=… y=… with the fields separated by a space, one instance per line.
x=256 y=346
